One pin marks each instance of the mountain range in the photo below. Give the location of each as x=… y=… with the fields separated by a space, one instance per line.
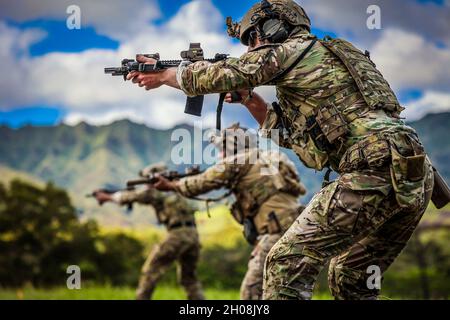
x=84 y=157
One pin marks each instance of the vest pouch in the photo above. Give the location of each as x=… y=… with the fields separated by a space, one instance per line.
x=372 y=152
x=407 y=173
x=331 y=123
x=310 y=155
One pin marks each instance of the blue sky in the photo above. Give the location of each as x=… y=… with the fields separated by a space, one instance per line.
x=41 y=38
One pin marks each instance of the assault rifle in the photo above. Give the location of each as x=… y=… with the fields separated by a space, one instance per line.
x=170 y=175
x=194 y=105
x=93 y=194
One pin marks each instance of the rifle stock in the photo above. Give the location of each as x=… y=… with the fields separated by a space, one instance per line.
x=441 y=191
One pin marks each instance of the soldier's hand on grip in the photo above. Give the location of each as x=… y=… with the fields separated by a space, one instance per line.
x=101 y=197
x=164 y=184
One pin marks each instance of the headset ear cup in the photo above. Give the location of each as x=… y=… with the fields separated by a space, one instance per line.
x=271 y=27
x=280 y=36
x=275 y=30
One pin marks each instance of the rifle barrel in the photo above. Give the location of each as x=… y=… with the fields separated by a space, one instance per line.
x=111 y=70
x=137 y=182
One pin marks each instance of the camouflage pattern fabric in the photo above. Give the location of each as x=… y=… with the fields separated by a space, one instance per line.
x=170 y=208
x=181 y=246
x=357 y=222
x=257 y=196
x=384 y=176
x=252 y=285
x=321 y=78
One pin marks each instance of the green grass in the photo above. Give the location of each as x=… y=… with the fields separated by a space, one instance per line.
x=117 y=293
x=109 y=293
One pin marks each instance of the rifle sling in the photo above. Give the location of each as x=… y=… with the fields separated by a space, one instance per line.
x=294 y=64
x=219 y=111
x=278 y=76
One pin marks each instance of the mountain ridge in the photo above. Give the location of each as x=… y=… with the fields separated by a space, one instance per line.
x=84 y=157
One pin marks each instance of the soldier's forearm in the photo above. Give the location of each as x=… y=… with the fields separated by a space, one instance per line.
x=117 y=198
x=195 y=186
x=257 y=107
x=233 y=74
x=169 y=78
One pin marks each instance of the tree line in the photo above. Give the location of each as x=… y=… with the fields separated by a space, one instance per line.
x=41 y=235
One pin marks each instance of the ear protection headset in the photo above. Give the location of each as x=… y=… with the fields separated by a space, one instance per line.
x=272 y=28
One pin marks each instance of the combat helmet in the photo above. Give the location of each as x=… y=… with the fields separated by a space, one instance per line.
x=235 y=139
x=152 y=169
x=275 y=14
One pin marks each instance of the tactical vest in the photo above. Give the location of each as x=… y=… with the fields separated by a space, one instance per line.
x=374 y=88
x=319 y=128
x=172 y=209
x=255 y=189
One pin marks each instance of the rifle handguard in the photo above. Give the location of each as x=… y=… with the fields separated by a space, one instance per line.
x=138 y=182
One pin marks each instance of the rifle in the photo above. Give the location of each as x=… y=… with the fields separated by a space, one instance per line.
x=194 y=105
x=170 y=175
x=441 y=191
x=93 y=194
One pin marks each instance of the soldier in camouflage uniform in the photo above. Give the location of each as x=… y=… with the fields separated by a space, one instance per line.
x=266 y=187
x=339 y=112
x=181 y=244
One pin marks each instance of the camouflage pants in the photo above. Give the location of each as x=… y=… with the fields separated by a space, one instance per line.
x=181 y=246
x=356 y=222
x=252 y=285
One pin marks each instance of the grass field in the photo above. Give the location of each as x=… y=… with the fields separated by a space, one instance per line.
x=108 y=293
x=115 y=293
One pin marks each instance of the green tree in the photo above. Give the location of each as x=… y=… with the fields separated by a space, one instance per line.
x=40 y=236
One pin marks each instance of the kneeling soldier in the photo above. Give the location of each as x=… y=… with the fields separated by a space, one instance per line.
x=181 y=244
x=266 y=199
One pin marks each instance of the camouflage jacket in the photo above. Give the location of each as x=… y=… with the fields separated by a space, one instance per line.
x=170 y=208
x=320 y=78
x=262 y=183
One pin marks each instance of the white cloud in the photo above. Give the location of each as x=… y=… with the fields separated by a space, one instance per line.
x=14 y=58
x=408 y=60
x=430 y=102
x=349 y=17
x=102 y=118
x=76 y=80
x=115 y=18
